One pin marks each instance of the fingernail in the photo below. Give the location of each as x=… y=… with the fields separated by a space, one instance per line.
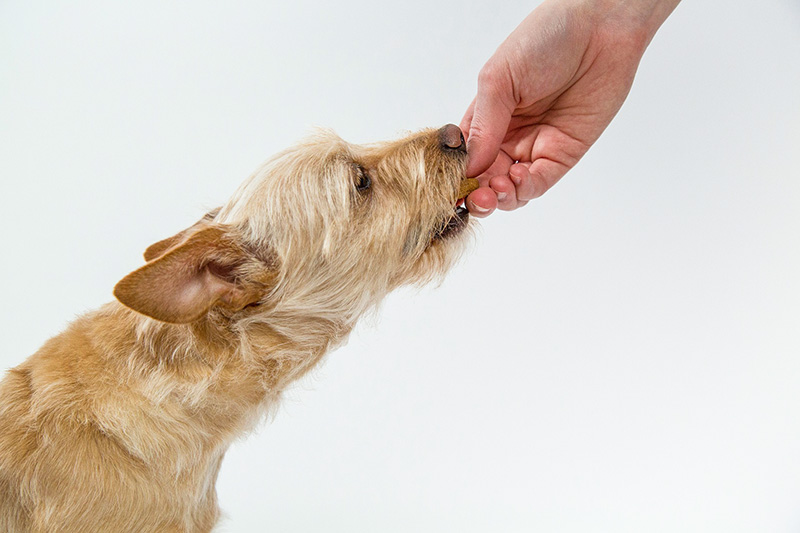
x=478 y=209
x=501 y=196
x=516 y=173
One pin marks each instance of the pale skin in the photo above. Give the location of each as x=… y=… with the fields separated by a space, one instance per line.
x=549 y=91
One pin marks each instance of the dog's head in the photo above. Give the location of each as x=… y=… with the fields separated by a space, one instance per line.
x=323 y=229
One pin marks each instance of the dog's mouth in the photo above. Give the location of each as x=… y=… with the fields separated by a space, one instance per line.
x=456 y=223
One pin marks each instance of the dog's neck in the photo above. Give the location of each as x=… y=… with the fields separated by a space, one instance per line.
x=192 y=389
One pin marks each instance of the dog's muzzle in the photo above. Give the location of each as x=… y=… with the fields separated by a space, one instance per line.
x=458 y=221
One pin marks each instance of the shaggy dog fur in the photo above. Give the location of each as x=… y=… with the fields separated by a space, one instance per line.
x=120 y=423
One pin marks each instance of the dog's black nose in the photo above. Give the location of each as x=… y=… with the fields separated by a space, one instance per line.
x=452 y=138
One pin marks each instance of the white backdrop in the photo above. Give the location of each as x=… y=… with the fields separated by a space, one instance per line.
x=622 y=355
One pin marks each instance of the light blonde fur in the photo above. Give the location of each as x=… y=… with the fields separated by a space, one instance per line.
x=120 y=423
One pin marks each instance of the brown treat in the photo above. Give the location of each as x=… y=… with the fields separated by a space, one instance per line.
x=467 y=186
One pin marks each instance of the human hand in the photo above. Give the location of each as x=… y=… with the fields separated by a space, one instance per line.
x=549 y=91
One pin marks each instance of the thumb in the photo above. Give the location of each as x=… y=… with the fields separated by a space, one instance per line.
x=491 y=115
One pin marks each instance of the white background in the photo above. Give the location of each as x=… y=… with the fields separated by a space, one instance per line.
x=622 y=355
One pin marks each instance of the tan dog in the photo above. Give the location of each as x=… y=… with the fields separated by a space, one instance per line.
x=120 y=423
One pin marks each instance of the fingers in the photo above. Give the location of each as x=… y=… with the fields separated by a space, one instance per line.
x=506 y=193
x=482 y=202
x=538 y=177
x=524 y=182
x=487 y=119
x=467 y=120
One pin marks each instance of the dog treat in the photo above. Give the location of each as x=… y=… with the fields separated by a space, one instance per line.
x=467 y=186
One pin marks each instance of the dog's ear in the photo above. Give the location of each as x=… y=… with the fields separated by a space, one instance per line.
x=158 y=249
x=199 y=270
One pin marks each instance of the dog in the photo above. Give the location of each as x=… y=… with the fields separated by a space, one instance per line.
x=120 y=423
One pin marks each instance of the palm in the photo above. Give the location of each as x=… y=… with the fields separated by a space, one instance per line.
x=564 y=89
x=561 y=127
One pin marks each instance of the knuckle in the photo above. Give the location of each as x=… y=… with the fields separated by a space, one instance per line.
x=492 y=77
x=476 y=129
x=487 y=75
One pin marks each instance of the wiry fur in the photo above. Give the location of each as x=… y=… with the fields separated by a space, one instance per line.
x=120 y=422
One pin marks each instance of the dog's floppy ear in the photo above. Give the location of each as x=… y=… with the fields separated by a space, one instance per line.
x=157 y=249
x=197 y=271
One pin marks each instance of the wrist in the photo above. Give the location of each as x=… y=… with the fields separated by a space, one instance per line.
x=639 y=19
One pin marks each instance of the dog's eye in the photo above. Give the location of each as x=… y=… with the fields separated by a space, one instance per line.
x=364 y=181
